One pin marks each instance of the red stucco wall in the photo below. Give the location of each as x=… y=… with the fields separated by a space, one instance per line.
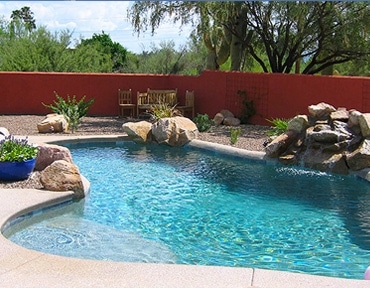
x=274 y=95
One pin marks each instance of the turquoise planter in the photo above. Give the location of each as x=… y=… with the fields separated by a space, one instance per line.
x=15 y=171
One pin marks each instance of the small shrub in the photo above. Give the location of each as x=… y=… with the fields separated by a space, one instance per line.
x=162 y=111
x=71 y=109
x=203 y=122
x=234 y=134
x=280 y=126
x=248 y=109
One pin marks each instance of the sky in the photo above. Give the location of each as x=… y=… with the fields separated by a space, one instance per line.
x=84 y=18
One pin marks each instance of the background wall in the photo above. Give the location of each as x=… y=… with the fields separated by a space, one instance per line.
x=274 y=95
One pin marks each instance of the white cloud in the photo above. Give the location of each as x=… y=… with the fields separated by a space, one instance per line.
x=88 y=17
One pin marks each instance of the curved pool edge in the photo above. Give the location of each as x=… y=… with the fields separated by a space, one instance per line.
x=21 y=267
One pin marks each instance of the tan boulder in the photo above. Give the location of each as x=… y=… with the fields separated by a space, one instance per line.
x=320 y=110
x=341 y=114
x=226 y=113
x=48 y=153
x=174 y=131
x=330 y=162
x=63 y=176
x=53 y=123
x=139 y=132
x=231 y=121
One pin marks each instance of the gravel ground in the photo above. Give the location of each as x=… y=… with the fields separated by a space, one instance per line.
x=252 y=137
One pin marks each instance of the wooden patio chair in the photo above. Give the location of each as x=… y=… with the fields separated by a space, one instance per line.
x=125 y=102
x=189 y=104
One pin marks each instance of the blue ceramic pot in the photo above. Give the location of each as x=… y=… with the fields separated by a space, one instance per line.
x=14 y=171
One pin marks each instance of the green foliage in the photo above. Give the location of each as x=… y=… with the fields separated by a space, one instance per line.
x=248 y=109
x=203 y=122
x=71 y=109
x=234 y=134
x=280 y=126
x=162 y=111
x=116 y=52
x=16 y=150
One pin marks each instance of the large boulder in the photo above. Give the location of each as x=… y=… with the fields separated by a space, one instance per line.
x=48 y=153
x=53 y=123
x=139 y=132
x=174 y=131
x=63 y=176
x=322 y=161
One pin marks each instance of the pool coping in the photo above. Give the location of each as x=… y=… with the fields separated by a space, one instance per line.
x=21 y=267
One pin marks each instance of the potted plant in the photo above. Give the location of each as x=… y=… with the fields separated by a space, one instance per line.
x=17 y=158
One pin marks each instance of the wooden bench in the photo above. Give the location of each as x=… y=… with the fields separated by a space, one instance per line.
x=145 y=101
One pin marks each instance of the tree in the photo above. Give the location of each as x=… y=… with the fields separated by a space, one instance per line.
x=22 y=16
x=319 y=33
x=116 y=51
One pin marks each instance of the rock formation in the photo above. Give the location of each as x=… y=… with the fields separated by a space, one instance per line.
x=328 y=139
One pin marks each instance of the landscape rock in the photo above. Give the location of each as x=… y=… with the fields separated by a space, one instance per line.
x=53 y=123
x=227 y=114
x=353 y=118
x=364 y=122
x=139 y=132
x=174 y=131
x=280 y=143
x=320 y=110
x=326 y=162
x=360 y=158
x=48 y=153
x=218 y=119
x=231 y=121
x=63 y=176
x=298 y=124
x=341 y=114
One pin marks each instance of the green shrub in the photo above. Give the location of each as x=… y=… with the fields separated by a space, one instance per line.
x=203 y=122
x=280 y=126
x=162 y=111
x=234 y=134
x=71 y=109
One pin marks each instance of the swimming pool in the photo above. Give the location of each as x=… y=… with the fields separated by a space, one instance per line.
x=161 y=204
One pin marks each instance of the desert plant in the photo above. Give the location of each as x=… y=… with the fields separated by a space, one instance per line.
x=162 y=111
x=248 y=109
x=71 y=109
x=16 y=150
x=203 y=122
x=234 y=134
x=280 y=126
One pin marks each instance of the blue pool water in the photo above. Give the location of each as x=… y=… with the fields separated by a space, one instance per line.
x=180 y=205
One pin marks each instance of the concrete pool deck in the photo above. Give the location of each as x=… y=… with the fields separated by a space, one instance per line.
x=21 y=267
